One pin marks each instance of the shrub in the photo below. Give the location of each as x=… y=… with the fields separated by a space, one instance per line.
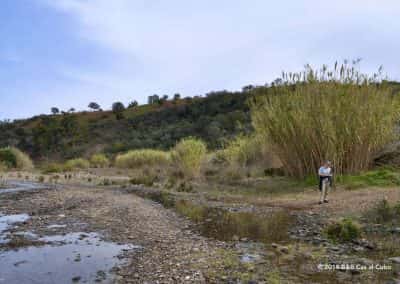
x=99 y=161
x=343 y=231
x=140 y=158
x=188 y=155
x=148 y=180
x=383 y=213
x=338 y=114
x=53 y=168
x=3 y=166
x=243 y=150
x=77 y=164
x=11 y=157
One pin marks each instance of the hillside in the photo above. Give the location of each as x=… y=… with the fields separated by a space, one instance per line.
x=214 y=118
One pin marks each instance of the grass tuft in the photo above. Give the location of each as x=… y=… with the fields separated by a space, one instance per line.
x=142 y=158
x=188 y=156
x=343 y=231
x=12 y=158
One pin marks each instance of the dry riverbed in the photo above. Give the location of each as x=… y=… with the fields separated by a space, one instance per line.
x=120 y=235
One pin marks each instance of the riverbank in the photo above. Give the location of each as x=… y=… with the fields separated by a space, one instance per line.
x=212 y=236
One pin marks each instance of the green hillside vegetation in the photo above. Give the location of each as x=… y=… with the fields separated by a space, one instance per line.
x=294 y=124
x=215 y=119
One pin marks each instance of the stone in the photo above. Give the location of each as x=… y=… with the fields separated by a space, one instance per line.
x=395 y=259
x=284 y=249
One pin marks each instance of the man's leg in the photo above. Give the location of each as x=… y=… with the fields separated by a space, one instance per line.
x=326 y=186
x=322 y=195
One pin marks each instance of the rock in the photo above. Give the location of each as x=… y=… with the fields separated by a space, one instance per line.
x=389 y=156
x=395 y=259
x=284 y=249
x=335 y=248
x=365 y=261
x=369 y=246
x=396 y=230
x=358 y=249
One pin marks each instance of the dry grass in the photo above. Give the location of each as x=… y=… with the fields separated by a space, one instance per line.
x=99 y=161
x=188 y=156
x=142 y=158
x=11 y=157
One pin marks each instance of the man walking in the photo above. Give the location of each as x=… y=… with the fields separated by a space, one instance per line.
x=325 y=181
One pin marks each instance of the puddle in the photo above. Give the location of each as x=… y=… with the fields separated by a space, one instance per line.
x=17 y=186
x=250 y=258
x=56 y=226
x=75 y=257
x=7 y=221
x=230 y=225
x=70 y=258
x=225 y=225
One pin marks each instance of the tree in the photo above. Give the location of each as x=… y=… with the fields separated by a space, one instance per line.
x=55 y=110
x=177 y=96
x=71 y=110
x=133 y=104
x=94 y=106
x=118 y=109
x=247 y=88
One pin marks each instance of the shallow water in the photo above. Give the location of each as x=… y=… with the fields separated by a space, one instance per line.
x=7 y=221
x=75 y=257
x=70 y=258
x=17 y=186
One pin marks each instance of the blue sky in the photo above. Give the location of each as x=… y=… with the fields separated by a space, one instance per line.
x=67 y=53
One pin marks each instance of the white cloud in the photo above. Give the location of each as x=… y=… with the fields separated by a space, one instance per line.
x=195 y=46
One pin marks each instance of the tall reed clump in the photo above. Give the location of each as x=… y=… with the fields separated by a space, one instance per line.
x=188 y=156
x=13 y=158
x=339 y=114
x=136 y=159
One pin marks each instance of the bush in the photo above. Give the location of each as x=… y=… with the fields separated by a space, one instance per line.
x=143 y=180
x=383 y=213
x=11 y=157
x=188 y=155
x=77 y=164
x=99 y=161
x=243 y=150
x=338 y=114
x=3 y=167
x=53 y=168
x=139 y=158
x=343 y=231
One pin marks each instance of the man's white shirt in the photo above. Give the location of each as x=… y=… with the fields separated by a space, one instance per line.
x=324 y=171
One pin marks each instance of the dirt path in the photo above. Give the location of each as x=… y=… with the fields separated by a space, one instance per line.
x=341 y=202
